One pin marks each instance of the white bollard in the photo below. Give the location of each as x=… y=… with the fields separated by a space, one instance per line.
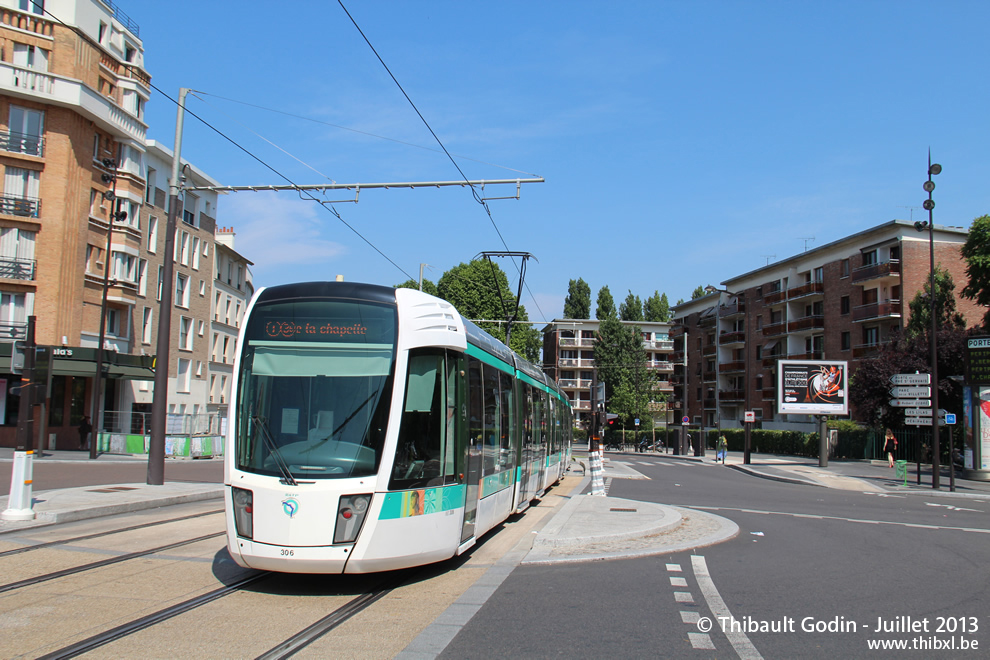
x=20 y=502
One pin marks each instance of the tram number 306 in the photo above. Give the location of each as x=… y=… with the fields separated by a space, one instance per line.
x=285 y=552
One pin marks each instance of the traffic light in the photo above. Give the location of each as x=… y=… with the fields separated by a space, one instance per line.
x=17 y=357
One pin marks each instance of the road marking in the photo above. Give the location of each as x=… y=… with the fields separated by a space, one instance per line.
x=976 y=530
x=952 y=508
x=665 y=463
x=690 y=617
x=701 y=641
x=678 y=582
x=740 y=642
x=684 y=597
x=674 y=568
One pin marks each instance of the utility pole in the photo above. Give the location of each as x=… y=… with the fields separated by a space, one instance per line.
x=159 y=405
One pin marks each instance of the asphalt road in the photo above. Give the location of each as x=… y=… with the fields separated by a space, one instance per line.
x=49 y=474
x=823 y=566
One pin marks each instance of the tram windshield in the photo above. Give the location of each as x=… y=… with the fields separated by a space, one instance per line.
x=315 y=383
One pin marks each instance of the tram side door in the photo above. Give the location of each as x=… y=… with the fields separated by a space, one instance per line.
x=472 y=447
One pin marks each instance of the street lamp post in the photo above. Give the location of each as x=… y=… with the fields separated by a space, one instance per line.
x=112 y=216
x=929 y=205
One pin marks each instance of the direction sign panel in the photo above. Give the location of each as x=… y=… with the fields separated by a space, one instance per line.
x=905 y=392
x=918 y=412
x=911 y=379
x=907 y=403
x=918 y=421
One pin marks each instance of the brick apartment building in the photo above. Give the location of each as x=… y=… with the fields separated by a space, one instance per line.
x=568 y=357
x=840 y=301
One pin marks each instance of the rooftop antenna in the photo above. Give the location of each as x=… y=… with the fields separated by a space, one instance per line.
x=806 y=239
x=768 y=257
x=912 y=210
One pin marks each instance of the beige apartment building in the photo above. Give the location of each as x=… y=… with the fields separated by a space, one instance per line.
x=568 y=357
x=83 y=214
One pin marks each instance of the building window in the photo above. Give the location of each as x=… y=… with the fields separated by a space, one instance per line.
x=844 y=304
x=125 y=268
x=819 y=274
x=146 y=325
x=871 y=336
x=183 y=372
x=20 y=192
x=870 y=258
x=26 y=128
x=846 y=341
x=185 y=334
x=759 y=382
x=33 y=6
x=182 y=290
x=189 y=209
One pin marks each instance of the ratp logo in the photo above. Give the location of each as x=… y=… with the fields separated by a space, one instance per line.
x=290 y=507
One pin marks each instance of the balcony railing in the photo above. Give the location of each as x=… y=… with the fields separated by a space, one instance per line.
x=809 y=355
x=736 y=337
x=659 y=345
x=13 y=330
x=661 y=366
x=774 y=297
x=815 y=321
x=806 y=289
x=25 y=207
x=571 y=383
x=890 y=268
x=732 y=309
x=771 y=360
x=22 y=143
x=731 y=395
x=877 y=310
x=17 y=269
x=774 y=329
x=709 y=349
x=736 y=365
x=863 y=350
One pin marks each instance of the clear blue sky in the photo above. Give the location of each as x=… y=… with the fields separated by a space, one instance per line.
x=682 y=142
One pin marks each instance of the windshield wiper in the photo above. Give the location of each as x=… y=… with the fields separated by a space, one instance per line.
x=273 y=449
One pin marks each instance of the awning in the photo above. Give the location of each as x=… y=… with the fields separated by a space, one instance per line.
x=770 y=345
x=81 y=362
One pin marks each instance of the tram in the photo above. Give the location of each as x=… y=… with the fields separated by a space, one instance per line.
x=374 y=428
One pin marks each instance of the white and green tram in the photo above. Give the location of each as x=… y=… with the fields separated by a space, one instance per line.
x=374 y=428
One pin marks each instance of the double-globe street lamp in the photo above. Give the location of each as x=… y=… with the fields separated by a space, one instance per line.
x=929 y=205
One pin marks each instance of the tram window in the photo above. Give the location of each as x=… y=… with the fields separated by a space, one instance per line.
x=506 y=455
x=419 y=455
x=492 y=418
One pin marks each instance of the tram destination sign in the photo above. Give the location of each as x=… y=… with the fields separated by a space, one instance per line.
x=911 y=379
x=909 y=391
x=978 y=360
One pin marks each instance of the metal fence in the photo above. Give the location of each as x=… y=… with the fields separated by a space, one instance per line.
x=139 y=423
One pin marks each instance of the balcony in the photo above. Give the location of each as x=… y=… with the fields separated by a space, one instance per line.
x=771 y=360
x=581 y=405
x=874 y=272
x=708 y=350
x=22 y=143
x=13 y=330
x=736 y=337
x=567 y=341
x=737 y=308
x=866 y=350
x=574 y=383
x=659 y=345
x=575 y=363
x=667 y=367
x=731 y=395
x=17 y=269
x=774 y=297
x=774 y=329
x=730 y=367
x=808 y=289
x=25 y=207
x=677 y=357
x=870 y=311
x=809 y=355
x=664 y=386
x=813 y=322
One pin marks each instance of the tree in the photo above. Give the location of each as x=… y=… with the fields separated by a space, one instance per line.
x=480 y=291
x=631 y=309
x=606 y=306
x=428 y=286
x=946 y=316
x=698 y=293
x=621 y=361
x=657 y=308
x=577 y=304
x=976 y=252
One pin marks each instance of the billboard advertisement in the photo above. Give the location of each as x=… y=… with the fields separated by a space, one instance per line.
x=812 y=387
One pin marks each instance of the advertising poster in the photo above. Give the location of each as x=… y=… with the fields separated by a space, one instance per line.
x=812 y=387
x=984 y=428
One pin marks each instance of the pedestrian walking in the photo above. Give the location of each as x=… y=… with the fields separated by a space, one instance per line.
x=84 y=428
x=722 y=449
x=889 y=447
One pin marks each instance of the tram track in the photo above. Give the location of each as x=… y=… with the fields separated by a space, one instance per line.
x=87 y=537
x=54 y=575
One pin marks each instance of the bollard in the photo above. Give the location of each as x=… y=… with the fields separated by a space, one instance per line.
x=21 y=501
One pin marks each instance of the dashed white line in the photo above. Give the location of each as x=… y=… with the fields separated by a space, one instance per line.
x=684 y=597
x=740 y=642
x=678 y=582
x=674 y=568
x=701 y=641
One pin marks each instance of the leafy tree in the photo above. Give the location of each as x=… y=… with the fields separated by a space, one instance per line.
x=631 y=309
x=657 y=308
x=976 y=252
x=480 y=291
x=606 y=305
x=698 y=293
x=920 y=322
x=622 y=365
x=428 y=286
x=577 y=304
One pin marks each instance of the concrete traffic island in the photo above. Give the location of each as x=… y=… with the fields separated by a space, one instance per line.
x=590 y=528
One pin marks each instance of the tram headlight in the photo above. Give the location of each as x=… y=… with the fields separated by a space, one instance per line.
x=350 y=516
x=243 y=512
